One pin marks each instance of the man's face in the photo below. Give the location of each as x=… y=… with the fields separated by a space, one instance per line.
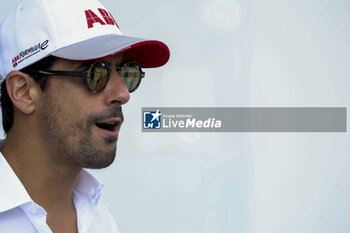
x=82 y=126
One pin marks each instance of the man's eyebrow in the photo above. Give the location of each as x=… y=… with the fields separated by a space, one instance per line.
x=83 y=64
x=118 y=64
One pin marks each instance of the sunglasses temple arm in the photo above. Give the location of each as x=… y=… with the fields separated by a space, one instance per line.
x=63 y=73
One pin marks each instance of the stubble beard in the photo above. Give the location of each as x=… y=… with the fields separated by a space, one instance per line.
x=74 y=139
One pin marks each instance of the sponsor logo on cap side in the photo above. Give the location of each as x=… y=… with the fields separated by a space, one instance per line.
x=25 y=54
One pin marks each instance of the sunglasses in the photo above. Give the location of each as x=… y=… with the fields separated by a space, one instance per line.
x=97 y=74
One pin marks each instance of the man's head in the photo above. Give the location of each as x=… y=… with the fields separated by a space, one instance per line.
x=84 y=125
x=68 y=75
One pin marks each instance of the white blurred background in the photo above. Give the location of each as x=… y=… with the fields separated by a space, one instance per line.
x=234 y=53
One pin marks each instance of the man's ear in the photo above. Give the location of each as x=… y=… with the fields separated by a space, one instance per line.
x=22 y=90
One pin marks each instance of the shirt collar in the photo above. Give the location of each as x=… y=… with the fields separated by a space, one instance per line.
x=88 y=186
x=14 y=194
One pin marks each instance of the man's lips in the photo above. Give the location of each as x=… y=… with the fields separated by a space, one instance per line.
x=110 y=126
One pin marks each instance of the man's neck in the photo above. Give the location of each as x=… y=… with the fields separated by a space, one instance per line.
x=48 y=182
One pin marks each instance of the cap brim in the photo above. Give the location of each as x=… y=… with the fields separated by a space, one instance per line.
x=148 y=53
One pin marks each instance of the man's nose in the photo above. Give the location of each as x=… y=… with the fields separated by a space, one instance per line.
x=116 y=92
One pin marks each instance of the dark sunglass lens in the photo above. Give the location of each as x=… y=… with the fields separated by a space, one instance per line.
x=131 y=74
x=97 y=76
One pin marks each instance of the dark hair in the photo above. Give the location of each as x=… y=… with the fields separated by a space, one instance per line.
x=32 y=71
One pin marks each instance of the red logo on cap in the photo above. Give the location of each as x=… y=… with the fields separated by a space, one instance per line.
x=92 y=18
x=15 y=59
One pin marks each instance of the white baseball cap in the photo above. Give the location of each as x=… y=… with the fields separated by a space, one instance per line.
x=69 y=29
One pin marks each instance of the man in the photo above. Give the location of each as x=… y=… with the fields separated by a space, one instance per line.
x=66 y=70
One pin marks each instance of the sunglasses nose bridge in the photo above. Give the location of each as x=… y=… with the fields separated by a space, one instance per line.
x=116 y=88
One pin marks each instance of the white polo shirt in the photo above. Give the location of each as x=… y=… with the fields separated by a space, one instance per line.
x=19 y=213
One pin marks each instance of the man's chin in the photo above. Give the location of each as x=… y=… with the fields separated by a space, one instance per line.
x=98 y=161
x=111 y=140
